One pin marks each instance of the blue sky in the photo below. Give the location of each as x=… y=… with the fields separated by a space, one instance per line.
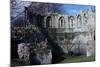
x=74 y=9
x=70 y=9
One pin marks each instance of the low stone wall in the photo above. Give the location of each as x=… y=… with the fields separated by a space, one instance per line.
x=24 y=52
x=30 y=55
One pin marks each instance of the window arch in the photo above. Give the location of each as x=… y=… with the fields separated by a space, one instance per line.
x=79 y=20
x=39 y=20
x=49 y=22
x=85 y=17
x=61 y=22
x=71 y=21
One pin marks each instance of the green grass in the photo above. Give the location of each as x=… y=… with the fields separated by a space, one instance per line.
x=82 y=58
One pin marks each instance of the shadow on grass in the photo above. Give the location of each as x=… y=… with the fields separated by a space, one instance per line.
x=81 y=58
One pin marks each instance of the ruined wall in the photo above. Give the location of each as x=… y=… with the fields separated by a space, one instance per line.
x=75 y=23
x=34 y=54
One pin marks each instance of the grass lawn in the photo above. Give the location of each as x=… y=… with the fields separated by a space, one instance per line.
x=82 y=58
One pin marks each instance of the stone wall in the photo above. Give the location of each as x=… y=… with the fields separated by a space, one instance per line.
x=34 y=54
x=75 y=23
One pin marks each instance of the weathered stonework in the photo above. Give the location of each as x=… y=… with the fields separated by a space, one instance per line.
x=37 y=55
x=69 y=26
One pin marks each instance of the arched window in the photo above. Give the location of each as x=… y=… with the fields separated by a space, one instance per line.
x=61 y=22
x=71 y=21
x=79 y=22
x=39 y=20
x=49 y=22
x=85 y=17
